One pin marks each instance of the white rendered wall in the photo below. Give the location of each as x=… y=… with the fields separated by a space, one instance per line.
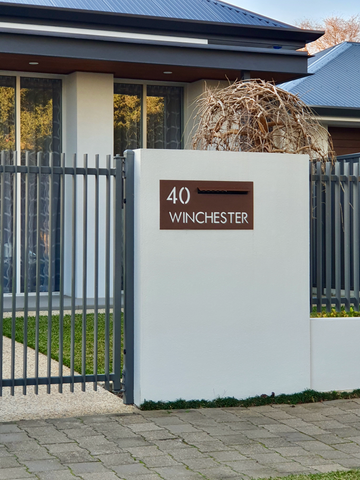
x=88 y=129
x=222 y=313
x=335 y=353
x=192 y=92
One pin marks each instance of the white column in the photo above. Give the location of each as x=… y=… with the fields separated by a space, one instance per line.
x=88 y=129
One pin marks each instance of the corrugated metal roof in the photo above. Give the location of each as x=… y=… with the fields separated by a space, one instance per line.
x=202 y=10
x=335 y=79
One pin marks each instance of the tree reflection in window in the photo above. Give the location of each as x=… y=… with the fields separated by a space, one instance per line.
x=127 y=117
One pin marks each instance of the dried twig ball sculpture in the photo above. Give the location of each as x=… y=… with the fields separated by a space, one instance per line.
x=257 y=116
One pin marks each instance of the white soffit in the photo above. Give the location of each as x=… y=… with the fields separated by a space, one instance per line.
x=105 y=34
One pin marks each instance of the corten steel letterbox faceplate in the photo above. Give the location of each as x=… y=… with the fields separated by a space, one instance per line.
x=206 y=205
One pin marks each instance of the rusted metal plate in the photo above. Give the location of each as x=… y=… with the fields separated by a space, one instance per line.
x=206 y=205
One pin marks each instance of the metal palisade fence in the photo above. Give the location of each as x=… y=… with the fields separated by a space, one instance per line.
x=61 y=265
x=334 y=234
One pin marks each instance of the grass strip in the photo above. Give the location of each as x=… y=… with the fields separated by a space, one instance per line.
x=339 y=475
x=43 y=335
x=307 y=396
x=334 y=313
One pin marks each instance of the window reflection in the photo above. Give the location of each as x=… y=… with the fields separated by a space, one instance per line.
x=127 y=117
x=164 y=116
x=40 y=118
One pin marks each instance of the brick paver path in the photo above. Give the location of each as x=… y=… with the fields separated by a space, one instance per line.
x=212 y=444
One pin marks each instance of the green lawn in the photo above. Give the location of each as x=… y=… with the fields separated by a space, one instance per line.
x=349 y=475
x=43 y=337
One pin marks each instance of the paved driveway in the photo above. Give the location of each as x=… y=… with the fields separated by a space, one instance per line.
x=229 y=443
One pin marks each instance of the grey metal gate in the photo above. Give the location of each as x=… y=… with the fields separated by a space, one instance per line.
x=61 y=249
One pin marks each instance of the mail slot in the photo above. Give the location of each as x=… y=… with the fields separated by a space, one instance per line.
x=206 y=205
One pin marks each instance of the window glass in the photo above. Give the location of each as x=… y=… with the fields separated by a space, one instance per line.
x=127 y=117
x=7 y=146
x=164 y=120
x=40 y=118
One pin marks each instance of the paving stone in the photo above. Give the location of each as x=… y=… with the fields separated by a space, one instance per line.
x=38 y=454
x=131 y=470
x=115 y=459
x=158 y=435
x=160 y=461
x=352 y=448
x=196 y=437
x=238 y=439
x=329 y=468
x=7 y=438
x=331 y=439
x=197 y=464
x=228 y=455
x=336 y=454
x=279 y=428
x=58 y=438
x=142 y=452
x=349 y=462
x=186 y=453
x=169 y=445
x=35 y=466
x=295 y=436
x=214 y=446
x=14 y=473
x=56 y=475
x=177 y=473
x=10 y=428
x=100 y=476
x=8 y=462
x=315 y=446
x=87 y=467
x=42 y=431
x=269 y=458
x=80 y=433
x=259 y=433
x=311 y=460
x=219 y=473
x=290 y=467
x=291 y=451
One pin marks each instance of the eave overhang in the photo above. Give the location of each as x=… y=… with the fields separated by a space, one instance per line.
x=136 y=59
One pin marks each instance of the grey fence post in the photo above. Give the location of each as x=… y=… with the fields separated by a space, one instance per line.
x=118 y=263
x=129 y=279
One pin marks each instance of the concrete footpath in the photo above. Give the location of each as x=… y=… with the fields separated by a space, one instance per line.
x=210 y=444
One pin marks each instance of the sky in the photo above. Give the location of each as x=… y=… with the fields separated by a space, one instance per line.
x=293 y=12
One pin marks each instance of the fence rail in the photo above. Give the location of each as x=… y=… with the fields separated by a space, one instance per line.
x=57 y=225
x=334 y=234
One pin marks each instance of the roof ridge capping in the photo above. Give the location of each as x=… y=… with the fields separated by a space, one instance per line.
x=327 y=57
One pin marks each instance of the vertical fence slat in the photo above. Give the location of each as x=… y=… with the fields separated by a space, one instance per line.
x=26 y=269
x=355 y=239
x=2 y=227
x=37 y=293
x=50 y=272
x=328 y=237
x=14 y=270
x=311 y=233
x=83 y=346
x=118 y=272
x=73 y=276
x=107 y=276
x=96 y=271
x=61 y=285
x=337 y=239
x=319 y=238
x=346 y=187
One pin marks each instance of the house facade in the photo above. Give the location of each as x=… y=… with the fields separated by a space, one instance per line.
x=100 y=78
